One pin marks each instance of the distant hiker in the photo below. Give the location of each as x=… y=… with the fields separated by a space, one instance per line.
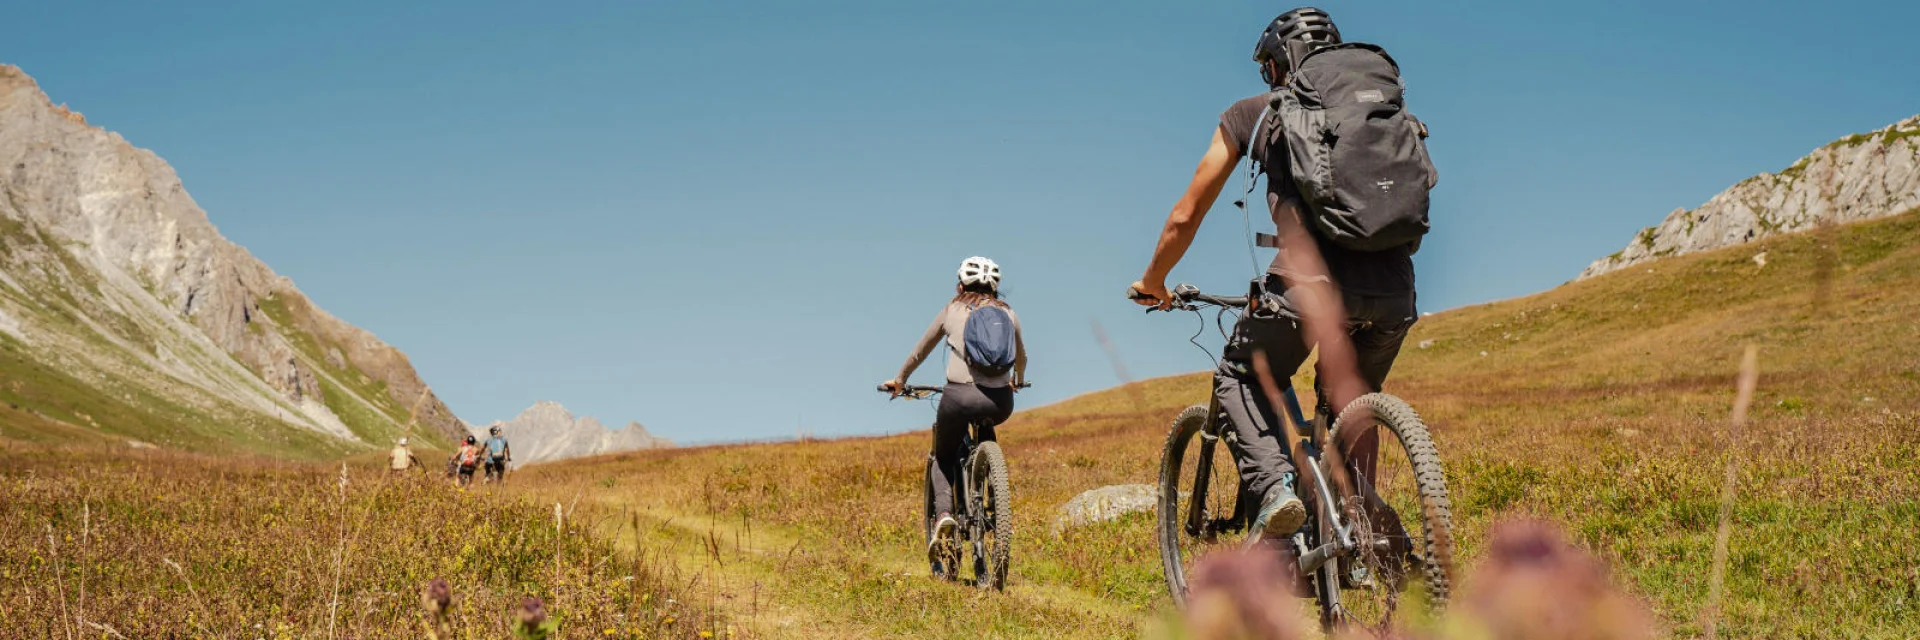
x=498 y=455
x=988 y=361
x=468 y=457
x=1350 y=211
x=402 y=457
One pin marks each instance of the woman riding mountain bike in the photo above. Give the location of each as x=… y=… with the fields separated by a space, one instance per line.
x=988 y=362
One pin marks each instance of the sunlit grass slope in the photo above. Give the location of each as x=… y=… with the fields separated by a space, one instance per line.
x=107 y=543
x=1602 y=404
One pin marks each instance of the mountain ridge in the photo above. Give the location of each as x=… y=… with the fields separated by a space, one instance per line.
x=118 y=295
x=1859 y=177
x=556 y=434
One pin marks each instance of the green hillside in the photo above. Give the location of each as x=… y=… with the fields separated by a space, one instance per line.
x=89 y=374
x=1602 y=405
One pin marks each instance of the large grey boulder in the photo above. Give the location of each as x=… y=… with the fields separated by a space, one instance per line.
x=1105 y=504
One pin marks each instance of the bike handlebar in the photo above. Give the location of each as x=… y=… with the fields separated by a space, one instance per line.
x=920 y=391
x=1185 y=295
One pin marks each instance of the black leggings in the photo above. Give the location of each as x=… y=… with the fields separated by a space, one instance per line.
x=962 y=405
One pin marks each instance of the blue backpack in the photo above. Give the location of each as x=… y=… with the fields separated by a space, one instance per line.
x=989 y=339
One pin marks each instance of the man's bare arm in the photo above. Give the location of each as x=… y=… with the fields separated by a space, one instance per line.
x=1184 y=221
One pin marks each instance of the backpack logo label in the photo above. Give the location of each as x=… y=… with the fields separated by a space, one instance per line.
x=1385 y=185
x=1369 y=95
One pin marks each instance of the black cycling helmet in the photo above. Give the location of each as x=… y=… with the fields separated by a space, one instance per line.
x=471 y=439
x=1307 y=25
x=495 y=430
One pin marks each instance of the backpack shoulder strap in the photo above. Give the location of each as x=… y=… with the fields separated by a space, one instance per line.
x=1253 y=138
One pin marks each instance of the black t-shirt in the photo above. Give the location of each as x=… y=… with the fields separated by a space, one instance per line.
x=1380 y=273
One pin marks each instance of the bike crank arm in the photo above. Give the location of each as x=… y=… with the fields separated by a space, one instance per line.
x=1311 y=561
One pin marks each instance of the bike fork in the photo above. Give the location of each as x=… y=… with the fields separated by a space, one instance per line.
x=1203 y=474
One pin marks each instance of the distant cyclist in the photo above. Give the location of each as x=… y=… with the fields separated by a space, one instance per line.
x=468 y=457
x=498 y=455
x=401 y=458
x=988 y=360
x=1346 y=252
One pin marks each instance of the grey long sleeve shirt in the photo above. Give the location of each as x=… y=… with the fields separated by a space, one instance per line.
x=951 y=324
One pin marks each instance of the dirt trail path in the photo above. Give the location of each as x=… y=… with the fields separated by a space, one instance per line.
x=772 y=581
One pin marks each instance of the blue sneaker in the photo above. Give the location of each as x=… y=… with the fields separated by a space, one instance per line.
x=1281 y=513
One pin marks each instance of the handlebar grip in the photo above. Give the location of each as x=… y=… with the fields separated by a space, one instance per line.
x=1224 y=301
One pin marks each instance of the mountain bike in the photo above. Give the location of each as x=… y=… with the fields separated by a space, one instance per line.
x=1378 y=532
x=984 y=507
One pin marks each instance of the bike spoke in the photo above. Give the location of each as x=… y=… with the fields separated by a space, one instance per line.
x=1389 y=533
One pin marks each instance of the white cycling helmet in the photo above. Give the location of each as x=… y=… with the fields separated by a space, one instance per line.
x=976 y=270
x=403 y=442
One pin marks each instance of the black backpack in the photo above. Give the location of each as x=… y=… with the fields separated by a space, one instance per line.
x=1358 y=157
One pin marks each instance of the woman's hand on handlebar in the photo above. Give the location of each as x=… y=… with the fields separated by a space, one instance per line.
x=1150 y=294
x=891 y=388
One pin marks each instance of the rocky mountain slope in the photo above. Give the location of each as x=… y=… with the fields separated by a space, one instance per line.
x=125 y=315
x=547 y=431
x=1858 y=177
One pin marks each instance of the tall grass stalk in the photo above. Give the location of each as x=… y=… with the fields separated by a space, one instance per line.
x=339 y=556
x=60 y=582
x=86 y=553
x=1749 y=378
x=205 y=616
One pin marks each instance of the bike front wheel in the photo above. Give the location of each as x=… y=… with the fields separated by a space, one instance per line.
x=992 y=521
x=1200 y=508
x=1396 y=502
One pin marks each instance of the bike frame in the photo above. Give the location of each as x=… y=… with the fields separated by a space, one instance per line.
x=968 y=502
x=1311 y=445
x=1335 y=535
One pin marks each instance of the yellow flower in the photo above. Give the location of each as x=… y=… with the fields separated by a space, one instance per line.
x=706 y=634
x=609 y=631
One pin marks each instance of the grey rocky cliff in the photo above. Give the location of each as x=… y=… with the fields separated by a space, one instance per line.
x=546 y=431
x=1859 y=177
x=114 y=273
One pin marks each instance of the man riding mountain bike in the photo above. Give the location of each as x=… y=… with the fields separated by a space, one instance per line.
x=988 y=361
x=498 y=455
x=1355 y=304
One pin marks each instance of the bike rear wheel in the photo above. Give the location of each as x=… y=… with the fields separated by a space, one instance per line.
x=991 y=501
x=1400 y=515
x=1196 y=473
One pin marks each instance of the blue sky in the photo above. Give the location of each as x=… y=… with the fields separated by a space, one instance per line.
x=726 y=220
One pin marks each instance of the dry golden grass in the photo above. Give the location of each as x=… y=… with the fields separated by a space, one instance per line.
x=1602 y=406
x=104 y=543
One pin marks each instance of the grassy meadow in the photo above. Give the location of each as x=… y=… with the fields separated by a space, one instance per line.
x=1602 y=406
x=102 y=543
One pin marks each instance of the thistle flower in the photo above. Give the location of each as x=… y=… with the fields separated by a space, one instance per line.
x=531 y=622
